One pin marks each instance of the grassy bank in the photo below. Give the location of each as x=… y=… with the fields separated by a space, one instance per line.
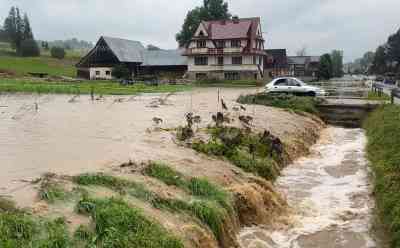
x=289 y=102
x=86 y=87
x=383 y=131
x=374 y=96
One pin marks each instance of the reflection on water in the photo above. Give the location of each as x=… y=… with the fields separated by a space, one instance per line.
x=329 y=193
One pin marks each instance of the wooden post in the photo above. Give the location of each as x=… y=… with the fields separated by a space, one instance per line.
x=392 y=96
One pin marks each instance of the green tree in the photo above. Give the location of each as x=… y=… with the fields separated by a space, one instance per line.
x=337 y=63
x=211 y=10
x=393 y=48
x=379 y=65
x=325 y=68
x=29 y=48
x=121 y=72
x=18 y=29
x=57 y=52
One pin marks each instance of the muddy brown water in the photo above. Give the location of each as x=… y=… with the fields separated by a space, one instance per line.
x=329 y=193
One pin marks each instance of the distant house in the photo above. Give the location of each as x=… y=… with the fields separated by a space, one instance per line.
x=276 y=63
x=227 y=49
x=109 y=52
x=304 y=67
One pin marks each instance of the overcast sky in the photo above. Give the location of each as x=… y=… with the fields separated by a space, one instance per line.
x=354 y=26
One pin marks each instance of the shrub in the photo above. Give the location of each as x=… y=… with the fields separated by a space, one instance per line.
x=29 y=48
x=57 y=52
x=121 y=72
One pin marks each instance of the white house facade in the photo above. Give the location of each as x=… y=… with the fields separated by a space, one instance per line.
x=227 y=50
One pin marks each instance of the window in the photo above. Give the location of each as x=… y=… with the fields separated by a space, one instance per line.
x=220 y=44
x=236 y=60
x=260 y=60
x=254 y=60
x=97 y=73
x=220 y=60
x=201 y=44
x=232 y=76
x=282 y=82
x=201 y=60
x=235 y=43
x=108 y=73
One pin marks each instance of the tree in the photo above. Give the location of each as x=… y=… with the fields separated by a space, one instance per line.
x=151 y=47
x=27 y=30
x=379 y=65
x=57 y=52
x=18 y=29
x=337 y=63
x=211 y=10
x=325 y=68
x=121 y=72
x=29 y=48
x=3 y=35
x=393 y=48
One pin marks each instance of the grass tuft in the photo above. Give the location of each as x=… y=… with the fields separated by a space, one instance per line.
x=119 y=225
x=165 y=174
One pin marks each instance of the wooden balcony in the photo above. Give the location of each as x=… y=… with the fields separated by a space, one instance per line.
x=213 y=51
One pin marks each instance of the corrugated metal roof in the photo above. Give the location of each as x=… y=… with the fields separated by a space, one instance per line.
x=126 y=50
x=298 y=60
x=163 y=58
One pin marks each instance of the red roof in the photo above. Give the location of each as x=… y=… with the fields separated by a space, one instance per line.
x=232 y=29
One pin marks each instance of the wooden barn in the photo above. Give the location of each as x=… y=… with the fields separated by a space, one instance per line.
x=109 y=52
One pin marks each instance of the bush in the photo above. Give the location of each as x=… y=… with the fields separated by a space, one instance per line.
x=57 y=52
x=121 y=72
x=29 y=48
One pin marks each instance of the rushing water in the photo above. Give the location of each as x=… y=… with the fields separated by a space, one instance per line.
x=329 y=195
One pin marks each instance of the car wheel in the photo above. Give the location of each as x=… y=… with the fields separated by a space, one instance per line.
x=312 y=94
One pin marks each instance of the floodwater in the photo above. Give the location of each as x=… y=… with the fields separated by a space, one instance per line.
x=329 y=194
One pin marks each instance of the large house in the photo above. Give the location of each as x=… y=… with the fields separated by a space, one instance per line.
x=276 y=63
x=227 y=49
x=109 y=52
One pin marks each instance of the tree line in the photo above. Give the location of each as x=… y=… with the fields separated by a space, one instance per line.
x=385 y=59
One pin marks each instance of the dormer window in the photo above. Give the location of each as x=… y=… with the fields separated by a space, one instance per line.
x=201 y=34
x=201 y=44
x=235 y=43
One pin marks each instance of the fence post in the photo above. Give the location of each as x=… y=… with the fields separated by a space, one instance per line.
x=392 y=96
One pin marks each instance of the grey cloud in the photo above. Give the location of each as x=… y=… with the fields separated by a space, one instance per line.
x=354 y=26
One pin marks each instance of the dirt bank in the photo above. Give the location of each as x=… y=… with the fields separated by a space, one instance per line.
x=69 y=137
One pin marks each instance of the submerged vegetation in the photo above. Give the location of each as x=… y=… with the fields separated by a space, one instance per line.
x=375 y=96
x=383 y=132
x=85 y=87
x=289 y=102
x=260 y=154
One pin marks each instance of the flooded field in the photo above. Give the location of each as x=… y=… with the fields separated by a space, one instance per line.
x=330 y=198
x=69 y=135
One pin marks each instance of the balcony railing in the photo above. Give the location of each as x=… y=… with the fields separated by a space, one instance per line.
x=214 y=51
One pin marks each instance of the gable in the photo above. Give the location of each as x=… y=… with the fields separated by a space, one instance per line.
x=201 y=31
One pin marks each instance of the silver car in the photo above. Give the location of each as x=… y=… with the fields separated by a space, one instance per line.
x=291 y=85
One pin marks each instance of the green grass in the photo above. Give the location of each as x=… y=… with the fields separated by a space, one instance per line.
x=383 y=149
x=374 y=96
x=289 y=102
x=117 y=224
x=211 y=205
x=86 y=87
x=229 y=83
x=236 y=146
x=21 y=66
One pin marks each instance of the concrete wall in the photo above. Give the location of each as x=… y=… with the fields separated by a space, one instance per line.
x=100 y=73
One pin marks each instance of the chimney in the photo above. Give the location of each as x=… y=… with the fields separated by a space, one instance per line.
x=235 y=19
